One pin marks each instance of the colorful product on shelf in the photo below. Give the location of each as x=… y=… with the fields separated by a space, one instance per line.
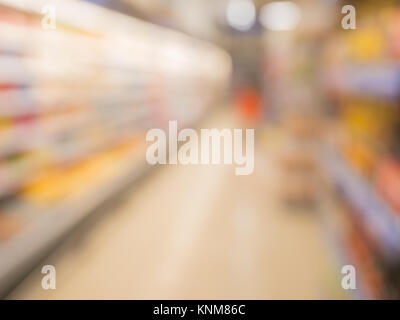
x=388 y=181
x=9 y=226
x=394 y=34
x=361 y=252
x=366 y=43
x=364 y=82
x=75 y=103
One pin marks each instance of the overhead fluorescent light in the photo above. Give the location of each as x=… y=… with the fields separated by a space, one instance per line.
x=279 y=16
x=241 y=14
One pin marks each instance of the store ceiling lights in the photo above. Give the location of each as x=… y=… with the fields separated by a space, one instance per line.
x=280 y=16
x=241 y=14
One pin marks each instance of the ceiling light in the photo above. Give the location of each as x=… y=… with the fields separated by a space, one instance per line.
x=241 y=14
x=283 y=15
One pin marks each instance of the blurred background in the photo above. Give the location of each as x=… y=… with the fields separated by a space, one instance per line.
x=81 y=82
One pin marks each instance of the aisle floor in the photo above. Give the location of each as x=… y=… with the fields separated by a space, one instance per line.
x=196 y=232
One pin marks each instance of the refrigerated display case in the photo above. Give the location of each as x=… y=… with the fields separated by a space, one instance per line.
x=75 y=103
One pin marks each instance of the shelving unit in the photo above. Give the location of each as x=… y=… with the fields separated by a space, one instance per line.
x=379 y=81
x=75 y=104
x=43 y=234
x=381 y=222
x=363 y=79
x=331 y=226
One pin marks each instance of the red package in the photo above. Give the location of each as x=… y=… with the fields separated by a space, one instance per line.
x=388 y=181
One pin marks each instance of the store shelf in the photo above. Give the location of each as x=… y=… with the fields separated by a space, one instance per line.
x=23 y=251
x=381 y=81
x=334 y=238
x=72 y=99
x=380 y=221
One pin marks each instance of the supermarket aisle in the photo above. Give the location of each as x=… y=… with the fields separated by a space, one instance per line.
x=216 y=236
